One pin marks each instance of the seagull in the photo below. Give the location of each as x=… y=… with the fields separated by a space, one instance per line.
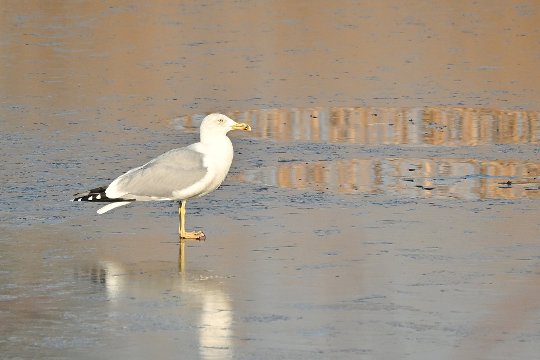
x=178 y=175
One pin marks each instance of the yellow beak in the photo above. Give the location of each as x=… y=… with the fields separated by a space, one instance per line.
x=241 y=126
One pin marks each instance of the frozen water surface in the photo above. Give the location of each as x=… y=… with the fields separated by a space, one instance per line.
x=385 y=205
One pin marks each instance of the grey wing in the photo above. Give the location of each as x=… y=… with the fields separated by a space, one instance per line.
x=173 y=171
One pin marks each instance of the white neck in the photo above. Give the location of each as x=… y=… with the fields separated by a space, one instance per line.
x=219 y=157
x=221 y=147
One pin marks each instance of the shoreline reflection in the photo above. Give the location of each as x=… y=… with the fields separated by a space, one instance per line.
x=449 y=177
x=444 y=126
x=469 y=175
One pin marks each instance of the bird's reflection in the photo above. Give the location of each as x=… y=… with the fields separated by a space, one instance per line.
x=200 y=305
x=215 y=326
x=108 y=274
x=181 y=255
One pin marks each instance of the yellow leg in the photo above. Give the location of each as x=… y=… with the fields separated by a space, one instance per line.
x=193 y=235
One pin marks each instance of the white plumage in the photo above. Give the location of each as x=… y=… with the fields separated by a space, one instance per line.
x=179 y=174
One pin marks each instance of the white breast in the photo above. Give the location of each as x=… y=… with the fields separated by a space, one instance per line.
x=218 y=159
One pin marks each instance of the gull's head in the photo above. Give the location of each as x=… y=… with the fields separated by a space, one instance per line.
x=219 y=124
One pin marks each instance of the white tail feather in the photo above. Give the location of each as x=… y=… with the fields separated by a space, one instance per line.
x=112 y=206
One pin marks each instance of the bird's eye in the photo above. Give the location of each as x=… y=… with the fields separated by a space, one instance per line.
x=220 y=121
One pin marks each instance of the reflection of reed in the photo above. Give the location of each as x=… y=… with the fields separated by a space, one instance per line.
x=461 y=178
x=433 y=126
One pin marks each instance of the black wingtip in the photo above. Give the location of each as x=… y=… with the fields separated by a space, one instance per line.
x=96 y=195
